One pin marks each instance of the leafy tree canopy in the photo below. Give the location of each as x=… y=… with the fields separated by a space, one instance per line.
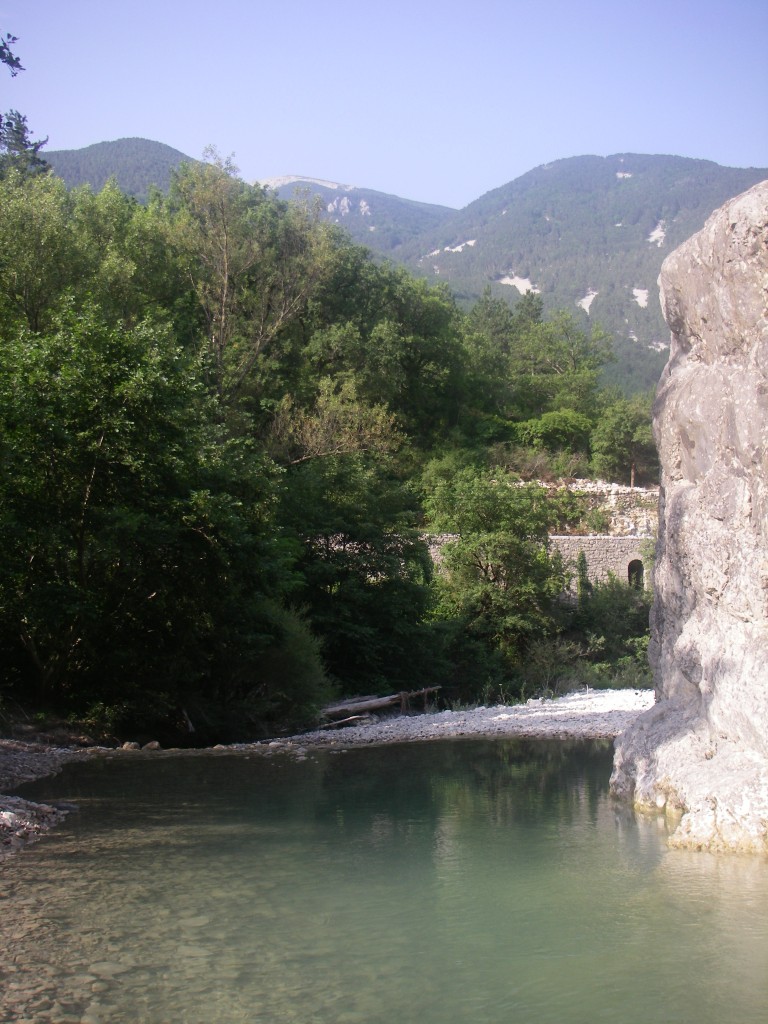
x=224 y=432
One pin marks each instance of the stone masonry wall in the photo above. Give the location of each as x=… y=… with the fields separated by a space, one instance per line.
x=631 y=519
x=629 y=511
x=604 y=555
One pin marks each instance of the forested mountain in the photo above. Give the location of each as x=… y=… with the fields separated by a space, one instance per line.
x=587 y=233
x=381 y=221
x=137 y=164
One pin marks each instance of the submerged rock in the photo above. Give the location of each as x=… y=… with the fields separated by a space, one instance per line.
x=703 y=748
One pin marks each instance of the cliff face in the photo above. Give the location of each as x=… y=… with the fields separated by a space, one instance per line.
x=703 y=749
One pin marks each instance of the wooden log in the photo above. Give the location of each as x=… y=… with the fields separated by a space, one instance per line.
x=361 y=705
x=358 y=706
x=344 y=722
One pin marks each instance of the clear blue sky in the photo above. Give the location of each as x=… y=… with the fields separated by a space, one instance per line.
x=436 y=100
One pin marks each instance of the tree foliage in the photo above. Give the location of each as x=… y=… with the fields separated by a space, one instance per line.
x=17 y=149
x=623 y=447
x=254 y=263
x=224 y=433
x=7 y=56
x=499 y=583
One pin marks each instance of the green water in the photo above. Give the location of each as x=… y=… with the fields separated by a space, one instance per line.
x=435 y=883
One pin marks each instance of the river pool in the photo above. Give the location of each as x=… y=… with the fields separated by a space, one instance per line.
x=452 y=882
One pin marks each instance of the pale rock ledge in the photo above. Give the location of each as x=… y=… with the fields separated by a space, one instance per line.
x=703 y=748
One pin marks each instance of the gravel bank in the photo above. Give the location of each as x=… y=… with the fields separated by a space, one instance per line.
x=22 y=821
x=596 y=714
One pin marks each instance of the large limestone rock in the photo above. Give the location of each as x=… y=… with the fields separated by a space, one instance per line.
x=703 y=749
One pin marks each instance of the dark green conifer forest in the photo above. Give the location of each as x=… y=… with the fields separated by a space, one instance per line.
x=225 y=433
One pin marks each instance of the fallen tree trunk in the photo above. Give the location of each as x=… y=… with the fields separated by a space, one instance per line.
x=342 y=723
x=362 y=705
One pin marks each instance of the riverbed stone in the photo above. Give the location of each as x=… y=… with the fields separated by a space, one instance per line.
x=703 y=748
x=199 y=921
x=108 y=969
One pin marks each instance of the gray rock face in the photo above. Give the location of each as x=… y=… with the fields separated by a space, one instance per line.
x=703 y=749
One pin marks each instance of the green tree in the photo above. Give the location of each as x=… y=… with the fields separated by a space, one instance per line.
x=557 y=365
x=142 y=565
x=612 y=619
x=102 y=248
x=364 y=570
x=39 y=253
x=489 y=329
x=584 y=584
x=395 y=337
x=254 y=262
x=622 y=442
x=525 y=368
x=337 y=424
x=17 y=149
x=559 y=430
x=7 y=56
x=499 y=583
x=129 y=261
x=93 y=419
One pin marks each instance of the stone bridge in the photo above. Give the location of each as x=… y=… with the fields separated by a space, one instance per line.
x=630 y=519
x=624 y=557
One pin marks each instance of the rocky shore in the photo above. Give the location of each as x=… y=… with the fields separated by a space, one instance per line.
x=596 y=714
x=22 y=821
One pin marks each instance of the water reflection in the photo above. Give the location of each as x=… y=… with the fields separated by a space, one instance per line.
x=452 y=881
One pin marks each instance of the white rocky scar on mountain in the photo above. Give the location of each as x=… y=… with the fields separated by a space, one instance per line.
x=301 y=179
x=658 y=234
x=587 y=300
x=523 y=284
x=461 y=246
x=701 y=753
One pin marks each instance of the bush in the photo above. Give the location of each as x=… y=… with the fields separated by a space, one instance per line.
x=597 y=520
x=561 y=430
x=614 y=618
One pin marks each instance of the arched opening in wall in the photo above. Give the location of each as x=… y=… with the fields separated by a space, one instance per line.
x=635 y=574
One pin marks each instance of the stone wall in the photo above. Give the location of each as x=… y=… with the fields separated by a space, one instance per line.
x=622 y=557
x=629 y=511
x=618 y=556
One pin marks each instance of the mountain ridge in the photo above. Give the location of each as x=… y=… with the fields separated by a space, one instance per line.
x=587 y=233
x=136 y=163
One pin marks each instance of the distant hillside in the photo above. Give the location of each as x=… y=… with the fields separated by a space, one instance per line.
x=137 y=164
x=381 y=221
x=589 y=233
